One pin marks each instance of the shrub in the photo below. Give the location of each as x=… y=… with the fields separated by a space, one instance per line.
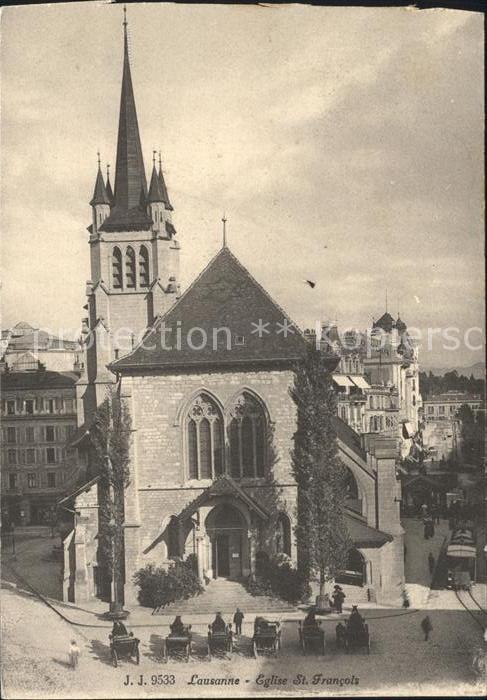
x=279 y=578
x=159 y=587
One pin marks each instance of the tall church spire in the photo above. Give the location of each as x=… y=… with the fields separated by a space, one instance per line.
x=129 y=206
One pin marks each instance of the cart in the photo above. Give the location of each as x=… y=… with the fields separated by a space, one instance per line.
x=180 y=643
x=349 y=639
x=311 y=636
x=221 y=641
x=267 y=637
x=124 y=646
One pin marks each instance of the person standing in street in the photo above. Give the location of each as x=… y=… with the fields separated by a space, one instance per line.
x=237 y=619
x=427 y=627
x=431 y=563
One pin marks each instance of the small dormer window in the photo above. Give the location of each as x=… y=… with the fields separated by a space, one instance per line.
x=239 y=340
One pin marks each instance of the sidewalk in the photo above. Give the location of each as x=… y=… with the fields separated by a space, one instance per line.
x=417 y=573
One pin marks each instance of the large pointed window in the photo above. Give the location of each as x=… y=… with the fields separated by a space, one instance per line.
x=117 y=268
x=204 y=439
x=130 y=268
x=143 y=266
x=247 y=437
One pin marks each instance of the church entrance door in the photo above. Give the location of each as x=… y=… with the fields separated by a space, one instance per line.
x=226 y=529
x=222 y=556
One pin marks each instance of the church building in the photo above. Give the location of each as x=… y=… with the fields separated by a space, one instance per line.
x=206 y=376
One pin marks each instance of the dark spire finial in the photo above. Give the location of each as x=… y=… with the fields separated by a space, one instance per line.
x=160 y=161
x=99 y=161
x=108 y=171
x=154 y=158
x=224 y=221
x=125 y=18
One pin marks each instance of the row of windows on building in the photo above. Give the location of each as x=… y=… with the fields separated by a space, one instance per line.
x=35 y=481
x=35 y=455
x=450 y=409
x=31 y=406
x=128 y=270
x=13 y=435
x=244 y=452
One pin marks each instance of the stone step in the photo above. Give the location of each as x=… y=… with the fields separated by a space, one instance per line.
x=226 y=596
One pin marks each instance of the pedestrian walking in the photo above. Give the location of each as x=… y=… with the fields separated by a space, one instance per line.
x=405 y=599
x=237 y=619
x=431 y=563
x=74 y=653
x=338 y=598
x=427 y=627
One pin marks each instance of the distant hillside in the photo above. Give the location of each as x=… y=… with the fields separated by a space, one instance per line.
x=478 y=370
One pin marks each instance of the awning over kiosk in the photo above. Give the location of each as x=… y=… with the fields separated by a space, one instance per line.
x=359 y=381
x=342 y=380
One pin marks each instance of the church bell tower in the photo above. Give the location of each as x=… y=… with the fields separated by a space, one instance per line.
x=134 y=254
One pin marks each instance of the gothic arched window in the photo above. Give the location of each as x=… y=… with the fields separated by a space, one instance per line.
x=247 y=437
x=130 y=268
x=204 y=432
x=143 y=266
x=117 y=268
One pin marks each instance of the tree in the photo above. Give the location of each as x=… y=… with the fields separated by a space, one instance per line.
x=110 y=436
x=321 y=532
x=473 y=435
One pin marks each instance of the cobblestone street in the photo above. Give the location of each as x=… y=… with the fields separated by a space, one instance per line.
x=36 y=667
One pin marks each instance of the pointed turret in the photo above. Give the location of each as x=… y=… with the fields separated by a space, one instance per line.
x=156 y=193
x=100 y=195
x=130 y=197
x=109 y=186
x=100 y=202
x=165 y=194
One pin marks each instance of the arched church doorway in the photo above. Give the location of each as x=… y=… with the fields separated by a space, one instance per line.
x=227 y=531
x=355 y=572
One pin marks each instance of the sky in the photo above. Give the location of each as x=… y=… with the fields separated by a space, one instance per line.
x=345 y=146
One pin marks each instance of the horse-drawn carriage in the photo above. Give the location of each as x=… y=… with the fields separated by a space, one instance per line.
x=220 y=640
x=125 y=645
x=311 y=636
x=350 y=637
x=179 y=642
x=267 y=637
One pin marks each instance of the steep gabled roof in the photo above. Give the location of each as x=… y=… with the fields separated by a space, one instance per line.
x=224 y=296
x=362 y=535
x=223 y=486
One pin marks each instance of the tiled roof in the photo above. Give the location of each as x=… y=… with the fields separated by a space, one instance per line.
x=224 y=295
x=363 y=535
x=40 y=340
x=38 y=380
x=349 y=437
x=386 y=322
x=223 y=486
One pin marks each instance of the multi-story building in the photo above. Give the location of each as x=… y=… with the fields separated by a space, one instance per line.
x=442 y=427
x=446 y=406
x=23 y=346
x=38 y=417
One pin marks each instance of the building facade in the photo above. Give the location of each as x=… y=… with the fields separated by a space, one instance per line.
x=208 y=390
x=38 y=417
x=23 y=346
